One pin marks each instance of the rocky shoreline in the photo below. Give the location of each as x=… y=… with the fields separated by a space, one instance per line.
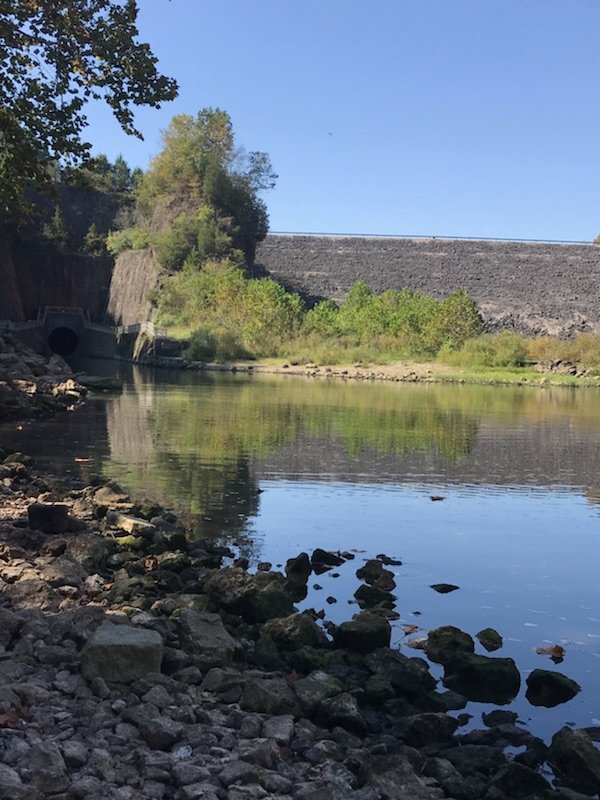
x=137 y=662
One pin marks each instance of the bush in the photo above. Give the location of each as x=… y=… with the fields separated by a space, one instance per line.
x=128 y=239
x=504 y=349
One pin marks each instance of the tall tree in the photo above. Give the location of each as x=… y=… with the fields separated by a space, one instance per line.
x=55 y=55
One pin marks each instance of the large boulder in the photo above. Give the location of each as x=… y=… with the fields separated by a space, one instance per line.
x=481 y=678
x=121 y=653
x=576 y=760
x=363 y=633
x=549 y=689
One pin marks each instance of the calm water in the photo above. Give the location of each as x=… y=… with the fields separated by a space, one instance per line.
x=279 y=465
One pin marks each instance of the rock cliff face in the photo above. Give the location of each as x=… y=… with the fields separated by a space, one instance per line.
x=33 y=276
x=135 y=275
x=536 y=288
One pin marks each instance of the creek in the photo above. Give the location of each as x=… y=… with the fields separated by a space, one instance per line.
x=274 y=465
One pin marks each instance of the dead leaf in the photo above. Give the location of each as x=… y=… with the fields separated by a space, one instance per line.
x=554 y=651
x=410 y=629
x=418 y=643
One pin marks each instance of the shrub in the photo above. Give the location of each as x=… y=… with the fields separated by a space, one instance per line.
x=128 y=239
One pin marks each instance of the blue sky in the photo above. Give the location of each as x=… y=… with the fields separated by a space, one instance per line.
x=416 y=117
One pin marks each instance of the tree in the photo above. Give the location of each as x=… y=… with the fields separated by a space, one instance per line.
x=200 y=167
x=55 y=55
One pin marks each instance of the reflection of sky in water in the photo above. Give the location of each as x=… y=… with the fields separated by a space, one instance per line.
x=526 y=563
x=352 y=468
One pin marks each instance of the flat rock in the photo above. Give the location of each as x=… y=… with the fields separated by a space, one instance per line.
x=121 y=653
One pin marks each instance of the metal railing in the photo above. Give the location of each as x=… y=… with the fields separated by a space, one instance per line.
x=428 y=237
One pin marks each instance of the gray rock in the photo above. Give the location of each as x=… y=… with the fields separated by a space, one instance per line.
x=363 y=633
x=576 y=760
x=10 y=624
x=394 y=777
x=268 y=695
x=341 y=710
x=131 y=524
x=298 y=569
x=256 y=598
x=549 y=689
x=481 y=678
x=410 y=677
x=226 y=683
x=238 y=772
x=184 y=774
x=204 y=635
x=159 y=732
x=280 y=728
x=75 y=753
x=295 y=631
x=121 y=653
x=490 y=639
x=48 y=767
x=443 y=643
x=316 y=687
x=62 y=571
x=518 y=781
x=420 y=730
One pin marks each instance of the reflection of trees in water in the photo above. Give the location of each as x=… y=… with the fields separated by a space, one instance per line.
x=219 y=498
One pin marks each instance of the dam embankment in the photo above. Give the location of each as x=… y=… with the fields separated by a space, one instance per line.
x=528 y=286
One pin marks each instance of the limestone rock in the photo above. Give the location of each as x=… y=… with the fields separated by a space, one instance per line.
x=121 y=653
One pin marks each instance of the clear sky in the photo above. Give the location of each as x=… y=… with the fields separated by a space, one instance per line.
x=418 y=117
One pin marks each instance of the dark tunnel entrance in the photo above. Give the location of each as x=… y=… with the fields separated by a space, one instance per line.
x=63 y=341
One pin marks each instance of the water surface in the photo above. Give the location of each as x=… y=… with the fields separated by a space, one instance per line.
x=277 y=465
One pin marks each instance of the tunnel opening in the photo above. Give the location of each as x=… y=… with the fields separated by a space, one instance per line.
x=63 y=341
